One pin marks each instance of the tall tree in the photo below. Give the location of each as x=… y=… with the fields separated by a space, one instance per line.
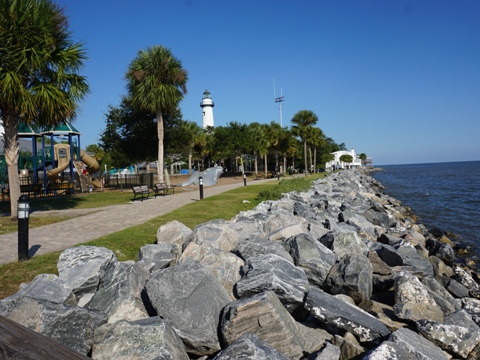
x=156 y=82
x=39 y=80
x=316 y=140
x=258 y=142
x=303 y=121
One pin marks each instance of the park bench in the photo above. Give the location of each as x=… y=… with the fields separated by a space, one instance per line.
x=163 y=188
x=141 y=192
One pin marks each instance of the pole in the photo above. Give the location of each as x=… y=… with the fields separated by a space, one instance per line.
x=200 y=185
x=22 y=215
x=244 y=179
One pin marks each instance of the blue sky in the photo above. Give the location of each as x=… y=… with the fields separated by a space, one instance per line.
x=396 y=79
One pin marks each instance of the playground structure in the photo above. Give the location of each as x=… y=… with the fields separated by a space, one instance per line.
x=48 y=167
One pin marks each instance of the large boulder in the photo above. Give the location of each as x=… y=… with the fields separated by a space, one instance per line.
x=145 y=339
x=225 y=266
x=154 y=257
x=351 y=276
x=83 y=267
x=458 y=340
x=416 y=345
x=174 y=232
x=274 y=273
x=265 y=316
x=342 y=316
x=217 y=233
x=413 y=301
x=45 y=287
x=71 y=326
x=258 y=245
x=311 y=256
x=249 y=346
x=190 y=298
x=120 y=292
x=344 y=242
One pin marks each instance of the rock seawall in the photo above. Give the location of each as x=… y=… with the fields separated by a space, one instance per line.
x=341 y=271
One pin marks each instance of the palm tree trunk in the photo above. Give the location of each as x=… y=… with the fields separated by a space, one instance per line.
x=305 y=155
x=311 y=162
x=160 y=133
x=11 y=151
x=256 y=165
x=315 y=159
x=266 y=165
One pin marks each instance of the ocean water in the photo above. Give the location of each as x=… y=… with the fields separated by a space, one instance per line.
x=443 y=195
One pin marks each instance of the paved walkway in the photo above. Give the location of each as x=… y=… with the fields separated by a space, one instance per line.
x=98 y=222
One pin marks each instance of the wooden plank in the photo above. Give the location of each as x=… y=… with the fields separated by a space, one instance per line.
x=19 y=342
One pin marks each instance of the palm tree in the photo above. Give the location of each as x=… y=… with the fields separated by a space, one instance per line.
x=304 y=120
x=258 y=142
x=316 y=140
x=156 y=82
x=39 y=80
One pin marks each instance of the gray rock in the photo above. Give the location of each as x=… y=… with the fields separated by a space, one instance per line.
x=249 y=346
x=252 y=223
x=417 y=345
x=144 y=339
x=256 y=245
x=414 y=263
x=341 y=316
x=311 y=256
x=71 y=326
x=329 y=352
x=442 y=297
x=390 y=350
x=413 y=301
x=442 y=251
x=472 y=307
x=390 y=239
x=224 y=266
x=174 y=232
x=343 y=242
x=388 y=254
x=462 y=318
x=282 y=234
x=46 y=287
x=457 y=289
x=464 y=278
x=351 y=276
x=264 y=316
x=217 y=233
x=190 y=298
x=455 y=339
x=82 y=267
x=363 y=225
x=274 y=273
x=158 y=256
x=120 y=292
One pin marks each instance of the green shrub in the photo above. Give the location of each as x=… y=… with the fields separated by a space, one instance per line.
x=284 y=186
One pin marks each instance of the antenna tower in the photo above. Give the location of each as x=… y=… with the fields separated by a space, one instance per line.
x=278 y=100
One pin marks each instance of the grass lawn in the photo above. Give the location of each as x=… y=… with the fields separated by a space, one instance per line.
x=126 y=243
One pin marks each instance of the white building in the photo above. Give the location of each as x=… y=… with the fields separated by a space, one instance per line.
x=207 y=109
x=337 y=164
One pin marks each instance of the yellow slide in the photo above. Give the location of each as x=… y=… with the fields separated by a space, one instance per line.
x=62 y=155
x=92 y=167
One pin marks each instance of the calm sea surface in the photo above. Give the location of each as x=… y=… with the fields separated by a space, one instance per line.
x=444 y=195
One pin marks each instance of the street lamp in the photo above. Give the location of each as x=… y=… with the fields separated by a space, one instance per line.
x=23 y=212
x=200 y=185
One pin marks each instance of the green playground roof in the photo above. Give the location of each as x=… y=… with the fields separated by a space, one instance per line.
x=62 y=128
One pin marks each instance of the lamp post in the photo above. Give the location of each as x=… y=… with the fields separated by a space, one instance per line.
x=23 y=213
x=200 y=185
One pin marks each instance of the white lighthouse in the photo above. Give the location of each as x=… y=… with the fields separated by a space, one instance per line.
x=207 y=109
